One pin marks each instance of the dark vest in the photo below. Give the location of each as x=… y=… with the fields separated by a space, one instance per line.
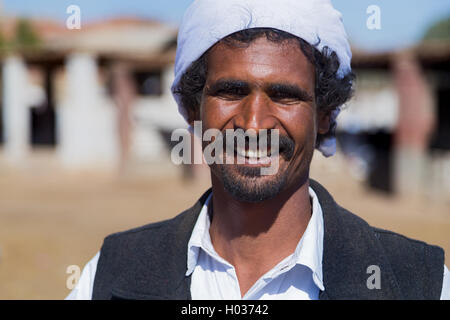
x=150 y=262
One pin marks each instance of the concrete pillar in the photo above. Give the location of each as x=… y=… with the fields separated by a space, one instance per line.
x=416 y=121
x=16 y=118
x=124 y=94
x=87 y=127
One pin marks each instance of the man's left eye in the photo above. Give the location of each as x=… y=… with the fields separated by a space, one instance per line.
x=285 y=99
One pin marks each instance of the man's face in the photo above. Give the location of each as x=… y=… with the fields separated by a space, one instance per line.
x=265 y=85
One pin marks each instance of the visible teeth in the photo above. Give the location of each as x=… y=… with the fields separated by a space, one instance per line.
x=251 y=153
x=241 y=152
x=262 y=153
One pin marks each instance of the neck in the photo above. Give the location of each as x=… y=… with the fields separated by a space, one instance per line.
x=258 y=235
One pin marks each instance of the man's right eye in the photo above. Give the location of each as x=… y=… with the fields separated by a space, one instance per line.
x=231 y=93
x=228 y=89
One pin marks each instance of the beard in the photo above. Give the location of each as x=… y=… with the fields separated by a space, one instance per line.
x=246 y=184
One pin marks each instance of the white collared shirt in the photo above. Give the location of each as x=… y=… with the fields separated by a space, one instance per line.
x=298 y=276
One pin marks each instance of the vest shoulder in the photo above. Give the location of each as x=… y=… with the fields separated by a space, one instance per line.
x=386 y=235
x=154 y=230
x=390 y=240
x=396 y=245
x=405 y=247
x=135 y=263
x=414 y=259
x=150 y=227
x=182 y=222
x=418 y=266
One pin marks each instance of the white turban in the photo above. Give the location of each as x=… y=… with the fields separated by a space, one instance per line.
x=208 y=21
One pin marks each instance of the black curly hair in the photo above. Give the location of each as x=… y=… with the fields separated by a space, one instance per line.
x=330 y=90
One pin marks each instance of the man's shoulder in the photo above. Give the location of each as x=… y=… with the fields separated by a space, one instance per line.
x=353 y=222
x=180 y=225
x=403 y=249
x=135 y=263
x=152 y=227
x=410 y=268
x=154 y=230
x=417 y=266
x=395 y=245
x=413 y=259
x=388 y=236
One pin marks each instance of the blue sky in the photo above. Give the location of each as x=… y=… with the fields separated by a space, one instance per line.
x=402 y=21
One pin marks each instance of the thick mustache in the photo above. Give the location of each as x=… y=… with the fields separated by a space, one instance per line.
x=285 y=146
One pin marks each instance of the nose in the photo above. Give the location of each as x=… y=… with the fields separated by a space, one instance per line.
x=255 y=113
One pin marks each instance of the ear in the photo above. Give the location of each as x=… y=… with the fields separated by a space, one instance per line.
x=323 y=122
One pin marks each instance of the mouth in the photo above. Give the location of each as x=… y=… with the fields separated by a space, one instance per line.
x=262 y=153
x=256 y=157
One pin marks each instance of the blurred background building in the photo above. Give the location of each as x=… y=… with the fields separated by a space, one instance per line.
x=86 y=117
x=99 y=97
x=396 y=130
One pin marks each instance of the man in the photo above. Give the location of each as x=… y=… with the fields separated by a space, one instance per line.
x=284 y=67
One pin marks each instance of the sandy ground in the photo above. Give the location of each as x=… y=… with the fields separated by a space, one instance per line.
x=50 y=220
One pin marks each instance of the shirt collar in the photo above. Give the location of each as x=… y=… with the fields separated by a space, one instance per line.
x=308 y=252
x=199 y=237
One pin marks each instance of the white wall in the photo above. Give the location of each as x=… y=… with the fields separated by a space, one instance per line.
x=86 y=118
x=151 y=114
x=16 y=117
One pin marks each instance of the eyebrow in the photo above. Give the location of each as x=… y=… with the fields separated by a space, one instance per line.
x=278 y=89
x=227 y=85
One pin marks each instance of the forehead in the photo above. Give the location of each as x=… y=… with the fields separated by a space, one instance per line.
x=261 y=60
